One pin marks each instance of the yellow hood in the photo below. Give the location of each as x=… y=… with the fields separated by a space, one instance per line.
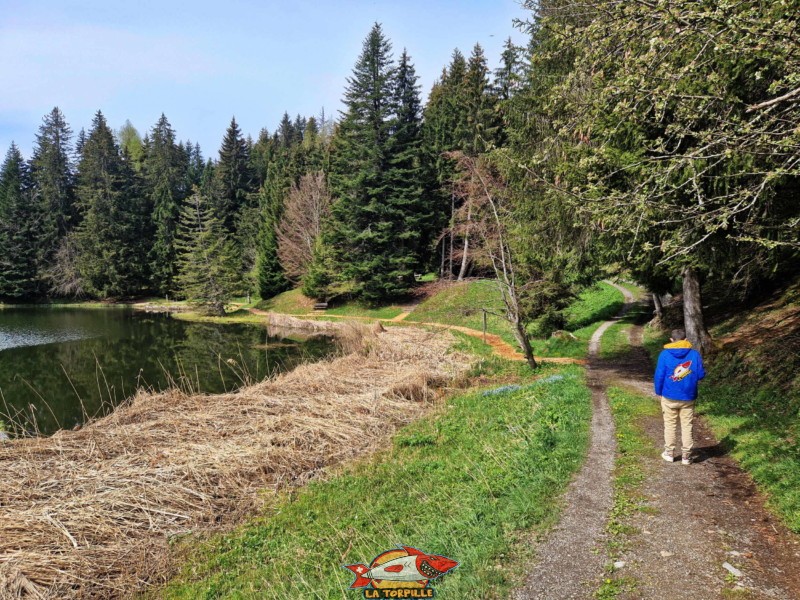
x=679 y=344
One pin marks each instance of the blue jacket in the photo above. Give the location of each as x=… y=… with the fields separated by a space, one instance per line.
x=678 y=370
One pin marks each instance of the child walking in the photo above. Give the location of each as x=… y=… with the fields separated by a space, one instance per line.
x=678 y=370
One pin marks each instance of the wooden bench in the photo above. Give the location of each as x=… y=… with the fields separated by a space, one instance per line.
x=321 y=306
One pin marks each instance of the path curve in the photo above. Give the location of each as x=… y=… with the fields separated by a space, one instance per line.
x=571 y=559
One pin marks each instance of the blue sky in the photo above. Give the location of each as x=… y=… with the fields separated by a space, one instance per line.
x=204 y=61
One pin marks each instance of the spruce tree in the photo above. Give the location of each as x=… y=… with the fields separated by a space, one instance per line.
x=481 y=105
x=234 y=178
x=131 y=141
x=110 y=238
x=165 y=180
x=271 y=279
x=406 y=174
x=53 y=179
x=18 y=229
x=208 y=271
x=509 y=76
x=370 y=212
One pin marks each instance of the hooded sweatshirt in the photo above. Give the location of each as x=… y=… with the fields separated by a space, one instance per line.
x=679 y=369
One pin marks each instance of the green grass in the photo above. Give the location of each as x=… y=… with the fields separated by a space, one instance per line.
x=593 y=306
x=76 y=304
x=461 y=304
x=237 y=316
x=597 y=303
x=354 y=309
x=616 y=341
x=471 y=482
x=761 y=429
x=757 y=424
x=292 y=302
x=634 y=453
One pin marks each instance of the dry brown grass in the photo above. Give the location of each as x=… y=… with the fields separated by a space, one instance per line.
x=90 y=513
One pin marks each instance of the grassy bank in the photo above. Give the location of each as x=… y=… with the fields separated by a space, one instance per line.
x=470 y=482
x=293 y=302
x=463 y=304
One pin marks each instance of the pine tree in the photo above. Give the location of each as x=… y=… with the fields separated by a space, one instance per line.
x=480 y=104
x=53 y=180
x=370 y=212
x=286 y=131
x=18 y=229
x=208 y=271
x=406 y=174
x=165 y=180
x=271 y=279
x=110 y=239
x=234 y=178
x=80 y=141
x=508 y=77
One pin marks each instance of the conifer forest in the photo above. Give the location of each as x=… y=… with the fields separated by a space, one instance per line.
x=659 y=137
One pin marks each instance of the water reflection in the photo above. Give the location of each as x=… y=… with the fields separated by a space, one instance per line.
x=58 y=366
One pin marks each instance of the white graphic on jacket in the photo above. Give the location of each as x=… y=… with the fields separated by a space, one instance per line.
x=681 y=371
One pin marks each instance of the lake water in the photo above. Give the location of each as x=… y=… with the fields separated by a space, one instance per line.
x=58 y=365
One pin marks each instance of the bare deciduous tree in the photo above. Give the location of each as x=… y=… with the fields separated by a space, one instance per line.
x=307 y=205
x=485 y=211
x=63 y=276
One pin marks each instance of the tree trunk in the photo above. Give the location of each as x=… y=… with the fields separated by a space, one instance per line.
x=696 y=331
x=465 y=256
x=659 y=307
x=441 y=267
x=452 y=217
x=522 y=339
x=464 y=259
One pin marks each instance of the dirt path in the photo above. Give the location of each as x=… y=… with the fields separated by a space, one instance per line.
x=700 y=517
x=571 y=559
x=696 y=518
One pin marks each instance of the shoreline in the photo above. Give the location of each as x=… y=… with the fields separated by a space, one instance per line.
x=91 y=511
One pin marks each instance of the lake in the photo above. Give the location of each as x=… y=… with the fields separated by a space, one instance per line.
x=59 y=365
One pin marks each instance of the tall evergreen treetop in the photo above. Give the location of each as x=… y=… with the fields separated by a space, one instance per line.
x=53 y=176
x=165 y=178
x=480 y=103
x=369 y=235
x=111 y=241
x=131 y=141
x=18 y=229
x=234 y=177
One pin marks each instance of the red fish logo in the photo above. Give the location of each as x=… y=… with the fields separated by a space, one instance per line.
x=681 y=371
x=402 y=568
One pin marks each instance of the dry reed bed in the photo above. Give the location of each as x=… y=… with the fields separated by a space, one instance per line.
x=89 y=513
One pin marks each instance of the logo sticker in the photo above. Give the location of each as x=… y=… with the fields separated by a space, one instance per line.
x=681 y=371
x=404 y=572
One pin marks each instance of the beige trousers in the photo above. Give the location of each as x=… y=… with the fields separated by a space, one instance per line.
x=674 y=410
